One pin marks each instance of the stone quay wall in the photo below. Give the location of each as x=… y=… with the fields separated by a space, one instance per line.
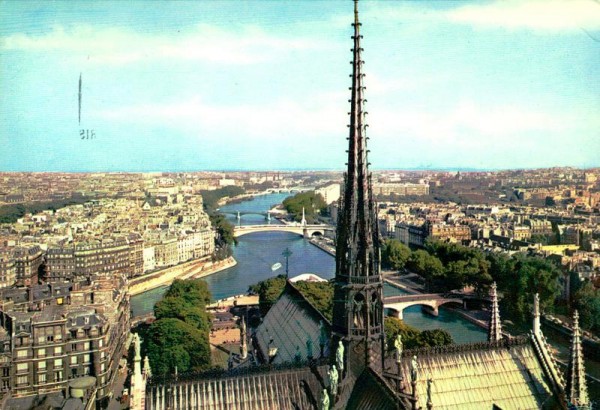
x=189 y=270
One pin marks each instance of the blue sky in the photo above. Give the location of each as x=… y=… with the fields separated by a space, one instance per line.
x=264 y=84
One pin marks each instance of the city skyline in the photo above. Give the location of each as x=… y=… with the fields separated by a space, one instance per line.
x=479 y=86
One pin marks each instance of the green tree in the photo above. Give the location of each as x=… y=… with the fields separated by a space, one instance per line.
x=268 y=291
x=312 y=204
x=413 y=338
x=319 y=294
x=520 y=279
x=587 y=301
x=418 y=261
x=395 y=327
x=179 y=336
x=211 y=197
x=395 y=255
x=173 y=343
x=225 y=230
x=193 y=291
x=434 y=337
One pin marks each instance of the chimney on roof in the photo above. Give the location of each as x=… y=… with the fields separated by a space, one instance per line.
x=495 y=329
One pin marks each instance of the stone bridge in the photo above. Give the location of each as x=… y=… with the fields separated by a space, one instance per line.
x=430 y=301
x=303 y=230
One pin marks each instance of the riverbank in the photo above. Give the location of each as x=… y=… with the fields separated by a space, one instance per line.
x=323 y=246
x=239 y=198
x=189 y=270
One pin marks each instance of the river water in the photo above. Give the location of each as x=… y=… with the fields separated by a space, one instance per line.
x=256 y=253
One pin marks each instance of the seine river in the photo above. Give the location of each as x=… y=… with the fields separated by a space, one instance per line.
x=256 y=253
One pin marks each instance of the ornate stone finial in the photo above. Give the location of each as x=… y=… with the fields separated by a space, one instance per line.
x=339 y=356
x=147 y=369
x=243 y=340
x=414 y=370
x=398 y=346
x=429 y=401
x=495 y=329
x=137 y=347
x=333 y=380
x=324 y=400
x=536 y=314
x=577 y=394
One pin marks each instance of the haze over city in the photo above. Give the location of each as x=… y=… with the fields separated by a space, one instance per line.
x=263 y=85
x=454 y=263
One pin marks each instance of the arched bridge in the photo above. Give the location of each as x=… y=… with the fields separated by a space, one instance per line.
x=239 y=214
x=290 y=190
x=303 y=230
x=432 y=301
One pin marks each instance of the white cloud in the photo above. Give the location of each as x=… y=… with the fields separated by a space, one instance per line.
x=270 y=122
x=468 y=123
x=122 y=46
x=538 y=15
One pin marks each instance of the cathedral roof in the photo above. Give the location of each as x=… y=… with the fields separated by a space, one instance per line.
x=288 y=325
x=283 y=388
x=372 y=392
x=507 y=374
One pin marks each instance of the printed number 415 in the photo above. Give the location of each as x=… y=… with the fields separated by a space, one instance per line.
x=87 y=134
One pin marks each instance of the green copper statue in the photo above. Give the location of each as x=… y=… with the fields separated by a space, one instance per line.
x=324 y=400
x=339 y=356
x=398 y=345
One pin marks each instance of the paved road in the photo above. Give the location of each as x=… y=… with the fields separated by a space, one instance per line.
x=117 y=391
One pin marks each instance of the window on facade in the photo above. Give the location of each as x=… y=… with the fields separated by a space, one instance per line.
x=22 y=353
x=58 y=376
x=22 y=367
x=42 y=378
x=41 y=366
x=42 y=352
x=86 y=346
x=58 y=350
x=57 y=362
x=86 y=358
x=73 y=359
x=22 y=380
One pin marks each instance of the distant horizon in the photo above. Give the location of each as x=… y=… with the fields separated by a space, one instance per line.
x=109 y=86
x=373 y=169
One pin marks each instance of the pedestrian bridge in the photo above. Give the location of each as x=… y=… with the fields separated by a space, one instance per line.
x=431 y=302
x=303 y=230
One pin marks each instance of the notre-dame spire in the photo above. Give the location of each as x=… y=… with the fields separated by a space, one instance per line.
x=577 y=395
x=495 y=329
x=358 y=304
